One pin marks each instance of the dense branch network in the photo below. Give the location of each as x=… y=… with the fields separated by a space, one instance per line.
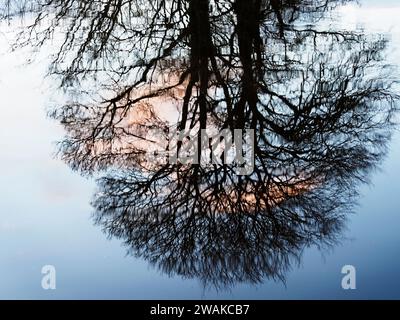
x=317 y=97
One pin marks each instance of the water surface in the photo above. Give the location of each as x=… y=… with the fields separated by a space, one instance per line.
x=45 y=212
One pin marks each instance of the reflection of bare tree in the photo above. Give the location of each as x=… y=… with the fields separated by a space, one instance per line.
x=211 y=224
x=318 y=98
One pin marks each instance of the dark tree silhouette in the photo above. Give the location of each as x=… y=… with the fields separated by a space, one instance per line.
x=319 y=99
x=210 y=224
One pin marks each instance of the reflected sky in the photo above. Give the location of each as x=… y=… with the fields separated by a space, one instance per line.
x=45 y=212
